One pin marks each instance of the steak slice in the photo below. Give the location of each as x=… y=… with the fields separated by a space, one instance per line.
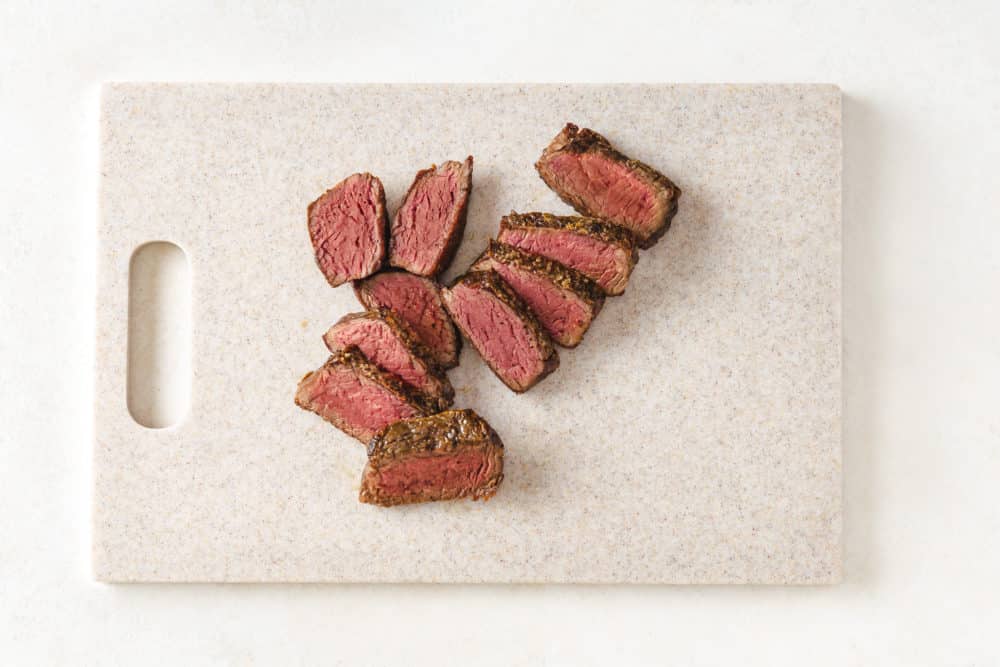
x=389 y=344
x=603 y=251
x=564 y=301
x=453 y=454
x=502 y=329
x=587 y=173
x=416 y=301
x=351 y=393
x=347 y=227
x=431 y=220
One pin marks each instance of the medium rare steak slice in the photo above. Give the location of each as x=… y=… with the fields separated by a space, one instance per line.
x=564 y=301
x=585 y=171
x=351 y=393
x=416 y=301
x=347 y=227
x=502 y=328
x=453 y=454
x=603 y=251
x=431 y=220
x=389 y=344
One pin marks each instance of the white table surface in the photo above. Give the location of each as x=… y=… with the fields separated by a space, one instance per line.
x=921 y=327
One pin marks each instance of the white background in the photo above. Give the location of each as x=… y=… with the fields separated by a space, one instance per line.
x=921 y=326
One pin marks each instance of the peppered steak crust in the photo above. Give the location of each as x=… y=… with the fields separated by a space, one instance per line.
x=580 y=287
x=440 y=435
x=589 y=230
x=606 y=231
x=353 y=358
x=491 y=282
x=563 y=276
x=574 y=139
x=419 y=352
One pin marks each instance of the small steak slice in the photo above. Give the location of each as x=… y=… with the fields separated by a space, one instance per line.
x=392 y=346
x=453 y=454
x=416 y=301
x=564 y=301
x=347 y=227
x=351 y=393
x=585 y=171
x=603 y=251
x=502 y=328
x=431 y=220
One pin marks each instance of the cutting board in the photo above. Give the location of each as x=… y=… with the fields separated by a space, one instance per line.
x=694 y=436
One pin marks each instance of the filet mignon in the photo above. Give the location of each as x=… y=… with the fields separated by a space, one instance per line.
x=587 y=173
x=564 y=300
x=390 y=344
x=502 y=329
x=416 y=301
x=430 y=222
x=352 y=393
x=603 y=251
x=348 y=226
x=453 y=454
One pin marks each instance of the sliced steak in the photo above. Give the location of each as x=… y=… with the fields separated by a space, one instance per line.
x=585 y=171
x=347 y=227
x=416 y=301
x=352 y=393
x=453 y=454
x=502 y=328
x=564 y=301
x=603 y=251
x=431 y=220
x=390 y=344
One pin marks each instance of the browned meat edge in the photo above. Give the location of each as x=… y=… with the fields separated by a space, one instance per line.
x=583 y=140
x=353 y=357
x=444 y=363
x=458 y=217
x=563 y=276
x=411 y=343
x=606 y=231
x=444 y=433
x=492 y=282
x=382 y=214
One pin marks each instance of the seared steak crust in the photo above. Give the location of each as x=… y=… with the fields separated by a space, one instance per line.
x=582 y=141
x=454 y=454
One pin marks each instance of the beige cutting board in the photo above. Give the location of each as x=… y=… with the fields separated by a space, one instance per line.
x=693 y=437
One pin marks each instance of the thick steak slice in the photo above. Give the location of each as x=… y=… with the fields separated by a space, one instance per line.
x=393 y=347
x=603 y=251
x=416 y=301
x=584 y=169
x=564 y=301
x=502 y=328
x=431 y=220
x=351 y=393
x=347 y=227
x=453 y=454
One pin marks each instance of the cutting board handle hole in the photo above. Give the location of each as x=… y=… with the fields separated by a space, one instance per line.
x=159 y=335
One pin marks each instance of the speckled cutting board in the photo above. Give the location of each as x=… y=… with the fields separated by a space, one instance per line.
x=694 y=436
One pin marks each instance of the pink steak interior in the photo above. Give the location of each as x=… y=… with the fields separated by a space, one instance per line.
x=415 y=302
x=345 y=229
x=610 y=189
x=377 y=342
x=362 y=406
x=423 y=224
x=562 y=317
x=463 y=471
x=605 y=263
x=498 y=333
